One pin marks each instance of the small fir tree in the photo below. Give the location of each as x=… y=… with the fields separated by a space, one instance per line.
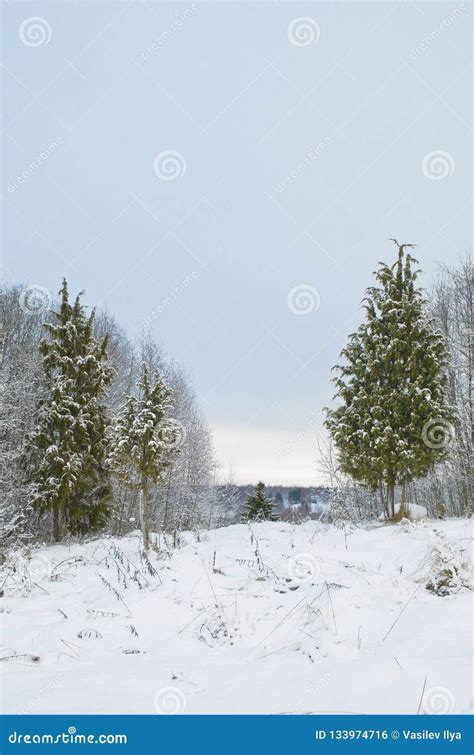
x=66 y=452
x=393 y=418
x=258 y=507
x=145 y=441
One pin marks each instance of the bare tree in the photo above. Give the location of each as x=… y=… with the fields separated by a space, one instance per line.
x=449 y=489
x=20 y=386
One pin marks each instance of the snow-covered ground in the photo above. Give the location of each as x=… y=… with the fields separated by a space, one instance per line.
x=277 y=618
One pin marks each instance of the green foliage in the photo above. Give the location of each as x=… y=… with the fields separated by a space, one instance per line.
x=391 y=385
x=258 y=507
x=145 y=440
x=67 y=450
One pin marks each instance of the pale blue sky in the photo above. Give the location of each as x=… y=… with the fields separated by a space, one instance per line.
x=359 y=105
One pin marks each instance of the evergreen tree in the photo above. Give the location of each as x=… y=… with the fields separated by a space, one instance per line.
x=393 y=418
x=67 y=449
x=145 y=441
x=258 y=507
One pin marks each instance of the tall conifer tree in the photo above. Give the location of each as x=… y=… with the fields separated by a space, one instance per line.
x=393 y=422
x=67 y=449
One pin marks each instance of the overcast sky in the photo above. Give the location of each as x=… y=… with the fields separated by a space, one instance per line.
x=302 y=136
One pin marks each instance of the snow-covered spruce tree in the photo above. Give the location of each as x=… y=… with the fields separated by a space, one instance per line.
x=258 y=507
x=392 y=387
x=145 y=441
x=66 y=452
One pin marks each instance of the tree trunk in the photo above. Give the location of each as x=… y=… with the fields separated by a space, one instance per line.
x=56 y=524
x=391 y=499
x=383 y=499
x=144 y=515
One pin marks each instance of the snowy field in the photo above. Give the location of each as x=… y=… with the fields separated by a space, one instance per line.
x=278 y=618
